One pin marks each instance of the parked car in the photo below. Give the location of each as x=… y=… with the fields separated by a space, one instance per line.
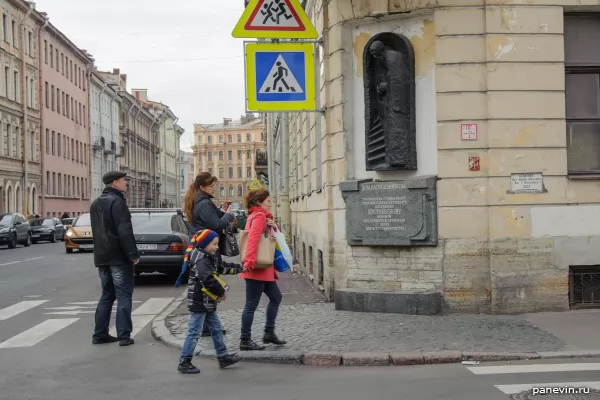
x=67 y=222
x=49 y=229
x=14 y=229
x=79 y=236
x=162 y=237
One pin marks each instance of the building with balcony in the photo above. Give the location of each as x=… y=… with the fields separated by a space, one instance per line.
x=169 y=137
x=229 y=151
x=104 y=124
x=65 y=129
x=139 y=145
x=20 y=161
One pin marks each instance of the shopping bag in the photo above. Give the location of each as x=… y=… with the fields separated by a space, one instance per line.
x=283 y=256
x=266 y=248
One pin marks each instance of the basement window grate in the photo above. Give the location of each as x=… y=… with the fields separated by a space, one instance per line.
x=584 y=287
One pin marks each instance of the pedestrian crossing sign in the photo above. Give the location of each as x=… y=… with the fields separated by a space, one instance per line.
x=280 y=77
x=274 y=19
x=255 y=185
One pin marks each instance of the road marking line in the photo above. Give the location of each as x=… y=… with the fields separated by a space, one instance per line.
x=21 y=261
x=139 y=322
x=92 y=303
x=38 y=333
x=33 y=296
x=18 y=308
x=153 y=306
x=70 y=312
x=534 y=368
x=513 y=389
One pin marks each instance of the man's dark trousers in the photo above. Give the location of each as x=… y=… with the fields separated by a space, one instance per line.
x=117 y=284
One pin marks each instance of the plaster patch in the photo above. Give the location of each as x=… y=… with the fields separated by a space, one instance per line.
x=360 y=42
x=424 y=46
x=500 y=46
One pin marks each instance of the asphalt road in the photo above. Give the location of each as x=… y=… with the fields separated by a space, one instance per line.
x=56 y=360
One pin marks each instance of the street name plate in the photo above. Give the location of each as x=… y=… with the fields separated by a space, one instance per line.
x=391 y=213
x=527 y=183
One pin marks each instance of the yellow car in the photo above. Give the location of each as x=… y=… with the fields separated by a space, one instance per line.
x=79 y=236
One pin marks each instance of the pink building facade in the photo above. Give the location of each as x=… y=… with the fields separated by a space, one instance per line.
x=65 y=132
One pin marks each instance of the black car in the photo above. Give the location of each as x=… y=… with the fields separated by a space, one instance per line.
x=162 y=237
x=49 y=229
x=14 y=229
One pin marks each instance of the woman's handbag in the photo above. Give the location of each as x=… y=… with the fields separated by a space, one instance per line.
x=228 y=245
x=265 y=254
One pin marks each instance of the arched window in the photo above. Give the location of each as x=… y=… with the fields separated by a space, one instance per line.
x=240 y=191
x=221 y=192
x=18 y=200
x=231 y=192
x=9 y=199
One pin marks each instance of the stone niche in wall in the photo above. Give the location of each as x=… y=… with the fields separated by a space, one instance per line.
x=390 y=213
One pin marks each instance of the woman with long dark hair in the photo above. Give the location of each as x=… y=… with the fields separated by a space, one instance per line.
x=259 y=281
x=202 y=213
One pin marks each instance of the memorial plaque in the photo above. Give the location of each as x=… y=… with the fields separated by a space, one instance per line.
x=527 y=183
x=391 y=213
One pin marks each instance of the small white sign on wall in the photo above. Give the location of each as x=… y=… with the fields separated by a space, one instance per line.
x=527 y=183
x=468 y=131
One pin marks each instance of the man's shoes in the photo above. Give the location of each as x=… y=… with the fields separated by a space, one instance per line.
x=207 y=334
x=186 y=367
x=273 y=339
x=249 y=345
x=104 y=340
x=229 y=360
x=126 y=342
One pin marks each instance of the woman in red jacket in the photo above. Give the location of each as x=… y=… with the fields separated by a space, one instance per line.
x=259 y=281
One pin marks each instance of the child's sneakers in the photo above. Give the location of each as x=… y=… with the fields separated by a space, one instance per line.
x=229 y=360
x=186 y=367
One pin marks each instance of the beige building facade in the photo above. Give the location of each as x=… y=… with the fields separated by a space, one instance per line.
x=229 y=151
x=20 y=161
x=502 y=88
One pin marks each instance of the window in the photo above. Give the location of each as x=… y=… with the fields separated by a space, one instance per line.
x=231 y=191
x=16 y=85
x=240 y=191
x=220 y=138
x=67 y=107
x=222 y=191
x=71 y=65
x=47 y=95
x=84 y=118
x=229 y=139
x=247 y=137
x=57 y=63
x=53 y=98
x=14 y=34
x=47 y=141
x=210 y=171
x=5 y=27
x=248 y=155
x=239 y=155
x=47 y=182
x=53 y=183
x=7 y=81
x=62 y=63
x=221 y=173
x=59 y=146
x=51 y=56
x=230 y=155
x=53 y=143
x=230 y=172
x=248 y=172
x=60 y=191
x=210 y=140
x=46 y=51
x=582 y=69
x=240 y=174
x=209 y=156
x=220 y=156
x=29 y=44
x=239 y=137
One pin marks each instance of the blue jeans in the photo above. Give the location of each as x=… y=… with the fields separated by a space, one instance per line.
x=254 y=291
x=117 y=284
x=195 y=330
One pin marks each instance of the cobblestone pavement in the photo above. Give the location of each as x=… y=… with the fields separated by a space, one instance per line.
x=319 y=327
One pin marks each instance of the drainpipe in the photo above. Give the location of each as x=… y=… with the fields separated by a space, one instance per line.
x=88 y=117
x=284 y=202
x=25 y=136
x=41 y=89
x=100 y=125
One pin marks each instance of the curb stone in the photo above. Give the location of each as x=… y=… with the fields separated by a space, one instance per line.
x=362 y=358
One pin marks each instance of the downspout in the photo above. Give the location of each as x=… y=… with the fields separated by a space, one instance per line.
x=88 y=85
x=42 y=119
x=285 y=165
x=25 y=136
x=104 y=86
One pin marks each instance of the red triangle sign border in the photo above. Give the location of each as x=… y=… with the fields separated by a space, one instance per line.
x=300 y=28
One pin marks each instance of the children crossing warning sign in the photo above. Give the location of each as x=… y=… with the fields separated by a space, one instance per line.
x=276 y=19
x=255 y=185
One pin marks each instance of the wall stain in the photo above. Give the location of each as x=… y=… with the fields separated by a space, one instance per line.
x=509 y=17
x=500 y=46
x=359 y=47
x=424 y=47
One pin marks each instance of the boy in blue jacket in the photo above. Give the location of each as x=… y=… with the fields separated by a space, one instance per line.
x=205 y=290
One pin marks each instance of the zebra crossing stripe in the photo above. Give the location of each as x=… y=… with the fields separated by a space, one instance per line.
x=38 y=333
x=19 y=308
x=145 y=313
x=534 y=368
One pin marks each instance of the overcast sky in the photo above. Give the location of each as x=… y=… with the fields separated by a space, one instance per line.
x=182 y=51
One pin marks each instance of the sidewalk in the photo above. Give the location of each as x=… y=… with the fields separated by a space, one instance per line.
x=317 y=334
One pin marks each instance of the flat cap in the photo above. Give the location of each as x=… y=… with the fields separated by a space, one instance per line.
x=112 y=176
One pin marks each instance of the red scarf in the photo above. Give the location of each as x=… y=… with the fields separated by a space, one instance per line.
x=258 y=209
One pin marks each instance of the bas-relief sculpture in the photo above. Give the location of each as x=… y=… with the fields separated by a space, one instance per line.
x=389 y=83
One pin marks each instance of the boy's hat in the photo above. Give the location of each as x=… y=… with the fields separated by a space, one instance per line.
x=204 y=238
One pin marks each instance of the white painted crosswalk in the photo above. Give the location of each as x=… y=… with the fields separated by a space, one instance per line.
x=54 y=324
x=538 y=386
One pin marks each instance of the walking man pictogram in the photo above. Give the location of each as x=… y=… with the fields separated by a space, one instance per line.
x=279 y=76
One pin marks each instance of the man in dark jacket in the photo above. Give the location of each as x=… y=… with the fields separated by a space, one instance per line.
x=115 y=254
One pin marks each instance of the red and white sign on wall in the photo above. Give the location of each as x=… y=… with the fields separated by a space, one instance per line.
x=468 y=131
x=474 y=164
